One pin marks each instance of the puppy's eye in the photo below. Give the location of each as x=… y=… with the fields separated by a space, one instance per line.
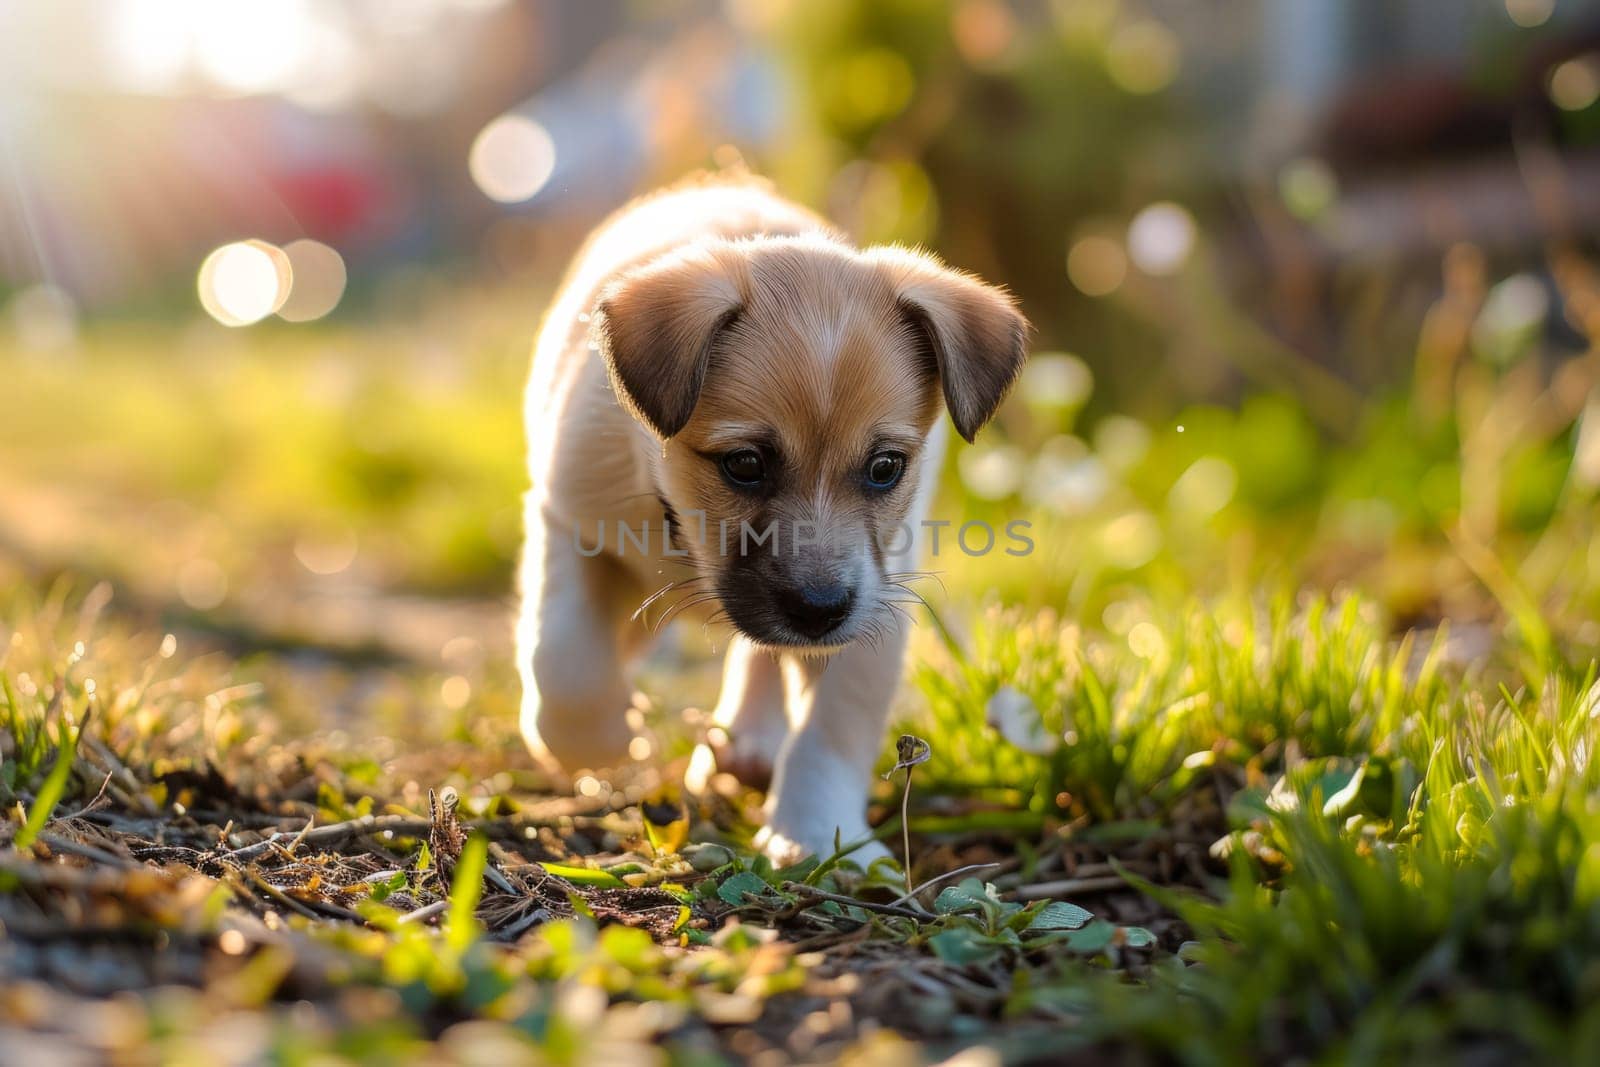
x=885 y=469
x=744 y=468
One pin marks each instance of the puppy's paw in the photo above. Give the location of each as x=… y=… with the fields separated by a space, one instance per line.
x=702 y=765
x=781 y=850
x=747 y=759
x=566 y=739
x=562 y=756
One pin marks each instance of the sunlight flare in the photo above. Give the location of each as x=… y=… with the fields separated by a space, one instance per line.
x=244 y=282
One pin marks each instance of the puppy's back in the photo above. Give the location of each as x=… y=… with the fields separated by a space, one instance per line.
x=701 y=206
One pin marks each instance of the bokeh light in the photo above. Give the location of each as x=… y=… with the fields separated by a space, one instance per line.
x=1308 y=187
x=1097 y=265
x=1055 y=380
x=455 y=691
x=868 y=86
x=202 y=583
x=1160 y=238
x=243 y=46
x=1066 y=477
x=317 y=280
x=1512 y=315
x=327 y=553
x=991 y=472
x=1575 y=84
x=1145 y=640
x=1121 y=441
x=1130 y=540
x=150 y=42
x=982 y=30
x=883 y=202
x=1530 y=13
x=324 y=56
x=512 y=159
x=1205 y=488
x=1142 y=56
x=249 y=46
x=244 y=282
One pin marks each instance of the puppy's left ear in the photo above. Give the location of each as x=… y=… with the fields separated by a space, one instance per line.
x=976 y=335
x=656 y=327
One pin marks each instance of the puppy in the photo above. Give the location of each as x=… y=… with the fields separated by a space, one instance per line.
x=732 y=409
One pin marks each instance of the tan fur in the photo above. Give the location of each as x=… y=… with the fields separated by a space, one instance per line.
x=708 y=319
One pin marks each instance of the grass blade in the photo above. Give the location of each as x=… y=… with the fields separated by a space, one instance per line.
x=465 y=889
x=50 y=793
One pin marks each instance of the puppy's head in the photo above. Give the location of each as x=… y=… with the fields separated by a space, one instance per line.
x=793 y=383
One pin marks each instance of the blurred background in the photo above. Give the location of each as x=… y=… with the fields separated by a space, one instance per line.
x=1313 y=283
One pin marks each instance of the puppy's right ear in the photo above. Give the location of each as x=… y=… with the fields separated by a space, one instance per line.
x=656 y=328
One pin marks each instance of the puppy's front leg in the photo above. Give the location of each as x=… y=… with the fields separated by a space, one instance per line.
x=750 y=713
x=838 y=709
x=572 y=641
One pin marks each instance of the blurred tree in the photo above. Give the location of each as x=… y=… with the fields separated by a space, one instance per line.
x=1001 y=135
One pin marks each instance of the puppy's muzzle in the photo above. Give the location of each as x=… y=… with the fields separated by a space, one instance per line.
x=815 y=609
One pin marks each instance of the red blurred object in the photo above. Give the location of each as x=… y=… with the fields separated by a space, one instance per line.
x=336 y=201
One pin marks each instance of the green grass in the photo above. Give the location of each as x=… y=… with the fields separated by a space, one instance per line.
x=257 y=450
x=1401 y=861
x=1415 y=860
x=1121 y=725
x=1298 y=728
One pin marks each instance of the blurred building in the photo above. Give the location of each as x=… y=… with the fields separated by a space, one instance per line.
x=1428 y=113
x=136 y=135
x=139 y=134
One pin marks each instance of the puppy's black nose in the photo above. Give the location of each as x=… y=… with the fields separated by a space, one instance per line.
x=815 y=608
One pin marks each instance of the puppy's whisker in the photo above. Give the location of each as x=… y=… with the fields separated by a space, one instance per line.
x=898 y=608
x=653 y=597
x=903 y=579
x=714 y=618
x=879 y=635
x=901 y=606
x=683 y=605
x=919 y=599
